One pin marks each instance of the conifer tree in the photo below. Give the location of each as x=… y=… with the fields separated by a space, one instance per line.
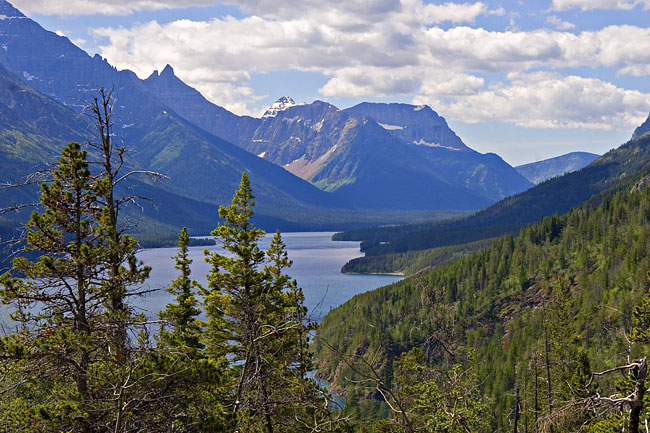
x=256 y=318
x=56 y=298
x=194 y=385
x=182 y=315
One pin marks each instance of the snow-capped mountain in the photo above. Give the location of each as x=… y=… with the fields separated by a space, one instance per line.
x=281 y=104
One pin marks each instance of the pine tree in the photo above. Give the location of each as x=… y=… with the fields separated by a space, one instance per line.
x=194 y=384
x=182 y=315
x=57 y=299
x=256 y=318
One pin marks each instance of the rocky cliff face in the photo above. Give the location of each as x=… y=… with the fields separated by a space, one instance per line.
x=418 y=125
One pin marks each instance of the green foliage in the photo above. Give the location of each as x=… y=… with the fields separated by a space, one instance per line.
x=442 y=401
x=577 y=276
x=641 y=319
x=256 y=319
x=182 y=315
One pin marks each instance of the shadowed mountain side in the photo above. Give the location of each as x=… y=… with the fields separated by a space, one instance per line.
x=538 y=172
x=556 y=195
x=485 y=174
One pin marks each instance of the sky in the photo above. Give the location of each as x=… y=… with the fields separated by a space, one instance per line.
x=527 y=80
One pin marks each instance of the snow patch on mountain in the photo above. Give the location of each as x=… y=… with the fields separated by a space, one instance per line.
x=280 y=105
x=28 y=76
x=319 y=125
x=419 y=107
x=391 y=127
x=425 y=143
x=262 y=155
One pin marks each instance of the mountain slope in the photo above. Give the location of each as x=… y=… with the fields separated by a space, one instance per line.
x=645 y=127
x=538 y=172
x=192 y=106
x=575 y=277
x=556 y=195
x=33 y=130
x=443 y=150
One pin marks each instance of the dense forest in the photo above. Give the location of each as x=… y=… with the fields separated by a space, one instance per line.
x=523 y=323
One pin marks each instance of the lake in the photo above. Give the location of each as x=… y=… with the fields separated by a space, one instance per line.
x=317 y=262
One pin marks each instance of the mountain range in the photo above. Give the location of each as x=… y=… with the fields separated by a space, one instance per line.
x=313 y=166
x=351 y=153
x=510 y=215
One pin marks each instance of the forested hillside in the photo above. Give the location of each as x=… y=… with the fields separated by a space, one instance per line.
x=527 y=315
x=556 y=195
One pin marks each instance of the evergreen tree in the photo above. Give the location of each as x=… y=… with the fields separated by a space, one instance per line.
x=57 y=299
x=194 y=383
x=182 y=315
x=256 y=318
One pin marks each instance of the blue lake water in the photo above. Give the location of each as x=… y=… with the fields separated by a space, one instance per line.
x=317 y=262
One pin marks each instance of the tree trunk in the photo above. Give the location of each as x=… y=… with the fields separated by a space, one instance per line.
x=636 y=405
x=549 y=388
x=516 y=429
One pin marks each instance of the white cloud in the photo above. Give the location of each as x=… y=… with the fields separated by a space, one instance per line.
x=548 y=100
x=103 y=7
x=624 y=48
x=456 y=12
x=372 y=81
x=351 y=44
x=290 y=9
x=559 y=24
x=584 y=5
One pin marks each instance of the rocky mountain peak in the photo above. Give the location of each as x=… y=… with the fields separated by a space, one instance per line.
x=7 y=11
x=281 y=104
x=168 y=71
x=416 y=124
x=645 y=127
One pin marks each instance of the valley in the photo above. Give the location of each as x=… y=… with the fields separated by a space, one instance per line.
x=169 y=264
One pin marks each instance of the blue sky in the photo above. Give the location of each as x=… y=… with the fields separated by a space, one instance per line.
x=527 y=80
